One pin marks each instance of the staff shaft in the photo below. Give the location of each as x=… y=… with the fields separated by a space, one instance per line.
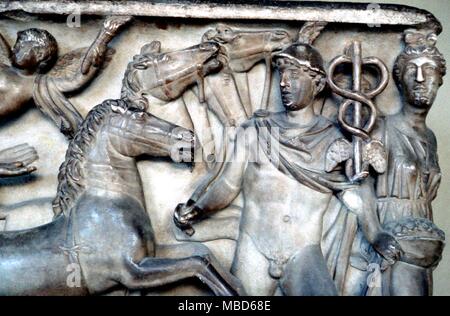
x=356 y=56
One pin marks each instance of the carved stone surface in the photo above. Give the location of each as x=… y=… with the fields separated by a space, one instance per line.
x=273 y=148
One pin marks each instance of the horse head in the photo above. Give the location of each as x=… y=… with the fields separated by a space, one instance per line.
x=166 y=76
x=241 y=50
x=134 y=132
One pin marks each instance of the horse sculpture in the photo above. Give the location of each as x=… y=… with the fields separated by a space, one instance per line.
x=160 y=77
x=228 y=92
x=240 y=51
x=101 y=224
x=166 y=76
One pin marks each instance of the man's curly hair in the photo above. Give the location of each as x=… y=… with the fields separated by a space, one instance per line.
x=44 y=42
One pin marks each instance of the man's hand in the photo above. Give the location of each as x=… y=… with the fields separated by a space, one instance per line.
x=114 y=22
x=388 y=247
x=15 y=161
x=96 y=53
x=184 y=216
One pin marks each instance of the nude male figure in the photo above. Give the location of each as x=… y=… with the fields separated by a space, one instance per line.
x=286 y=189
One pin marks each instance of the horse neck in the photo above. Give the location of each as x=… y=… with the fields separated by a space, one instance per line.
x=111 y=174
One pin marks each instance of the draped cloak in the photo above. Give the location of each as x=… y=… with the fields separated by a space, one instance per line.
x=410 y=184
x=405 y=189
x=303 y=158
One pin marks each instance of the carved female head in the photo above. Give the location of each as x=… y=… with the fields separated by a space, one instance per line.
x=34 y=50
x=419 y=69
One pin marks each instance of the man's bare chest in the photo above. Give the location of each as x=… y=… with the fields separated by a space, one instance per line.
x=265 y=184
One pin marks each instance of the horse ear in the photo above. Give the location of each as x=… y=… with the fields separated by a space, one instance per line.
x=152 y=48
x=310 y=31
x=209 y=35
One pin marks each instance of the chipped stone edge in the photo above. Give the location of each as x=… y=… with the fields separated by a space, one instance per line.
x=358 y=13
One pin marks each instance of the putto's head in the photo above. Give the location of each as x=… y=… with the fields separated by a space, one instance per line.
x=419 y=69
x=34 y=50
x=302 y=75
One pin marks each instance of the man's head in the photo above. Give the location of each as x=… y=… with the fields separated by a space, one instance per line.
x=302 y=75
x=35 y=50
x=419 y=69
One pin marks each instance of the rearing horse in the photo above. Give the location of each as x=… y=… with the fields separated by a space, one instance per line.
x=101 y=224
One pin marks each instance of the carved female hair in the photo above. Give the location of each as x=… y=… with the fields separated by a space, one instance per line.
x=419 y=44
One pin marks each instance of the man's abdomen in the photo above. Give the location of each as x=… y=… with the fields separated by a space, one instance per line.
x=281 y=214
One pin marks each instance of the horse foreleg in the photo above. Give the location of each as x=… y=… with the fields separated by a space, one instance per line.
x=153 y=272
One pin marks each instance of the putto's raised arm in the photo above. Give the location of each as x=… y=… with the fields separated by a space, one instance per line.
x=88 y=61
x=72 y=72
x=96 y=52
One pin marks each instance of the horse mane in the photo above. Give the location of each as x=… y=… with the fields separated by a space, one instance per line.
x=71 y=176
x=131 y=90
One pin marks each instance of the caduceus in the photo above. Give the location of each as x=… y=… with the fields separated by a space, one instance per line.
x=363 y=151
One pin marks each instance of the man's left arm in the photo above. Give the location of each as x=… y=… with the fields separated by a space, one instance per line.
x=221 y=191
x=362 y=201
